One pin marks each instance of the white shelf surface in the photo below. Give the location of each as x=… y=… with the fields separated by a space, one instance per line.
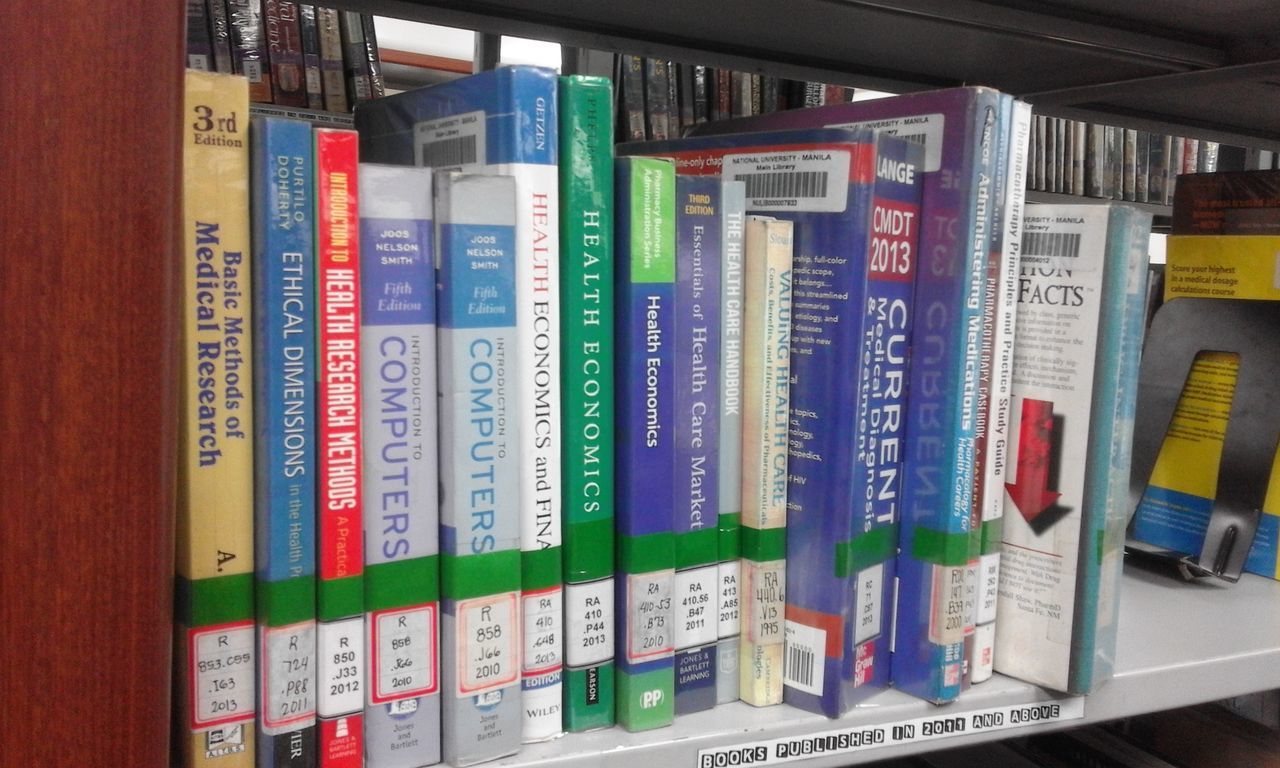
x=1179 y=644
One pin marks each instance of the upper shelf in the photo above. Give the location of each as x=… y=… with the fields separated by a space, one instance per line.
x=1145 y=63
x=1179 y=644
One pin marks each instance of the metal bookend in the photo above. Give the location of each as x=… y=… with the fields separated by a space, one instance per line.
x=1182 y=328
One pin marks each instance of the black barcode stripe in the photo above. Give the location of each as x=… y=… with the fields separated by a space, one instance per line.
x=914 y=138
x=447 y=153
x=1054 y=244
x=799 y=666
x=808 y=184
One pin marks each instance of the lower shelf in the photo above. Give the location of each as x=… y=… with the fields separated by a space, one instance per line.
x=1179 y=644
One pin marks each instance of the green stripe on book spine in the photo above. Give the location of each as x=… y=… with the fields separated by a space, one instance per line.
x=401 y=583
x=765 y=545
x=730 y=536
x=287 y=601
x=700 y=547
x=941 y=548
x=340 y=598
x=540 y=569
x=588 y=551
x=208 y=602
x=468 y=576
x=645 y=554
x=992 y=533
x=865 y=551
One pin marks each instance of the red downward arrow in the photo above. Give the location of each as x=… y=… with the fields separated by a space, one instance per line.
x=1030 y=489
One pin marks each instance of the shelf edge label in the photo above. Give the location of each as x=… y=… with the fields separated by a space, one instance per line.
x=859 y=738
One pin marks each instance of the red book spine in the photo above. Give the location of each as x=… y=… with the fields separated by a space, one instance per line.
x=341 y=553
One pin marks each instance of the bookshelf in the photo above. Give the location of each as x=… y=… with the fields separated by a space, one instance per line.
x=89 y=235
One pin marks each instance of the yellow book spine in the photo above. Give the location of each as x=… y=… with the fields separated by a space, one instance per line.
x=215 y=645
x=766 y=374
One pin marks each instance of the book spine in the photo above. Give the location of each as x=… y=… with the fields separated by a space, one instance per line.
x=852 y=314
x=309 y=27
x=285 y=464
x=355 y=59
x=1129 y=186
x=248 y=47
x=724 y=95
x=199 y=43
x=765 y=400
x=586 y=365
x=645 y=239
x=685 y=81
x=479 y=435
x=1077 y=160
x=991 y=489
x=1101 y=549
x=1158 y=165
x=284 y=49
x=220 y=35
x=1142 y=168
x=340 y=592
x=657 y=110
x=986 y=337
x=733 y=207
x=401 y=484
x=376 y=84
x=214 y=637
x=1176 y=149
x=1096 y=154
x=702 y=86
x=632 y=101
x=332 y=73
x=695 y=508
x=1041 y=139
x=938 y=466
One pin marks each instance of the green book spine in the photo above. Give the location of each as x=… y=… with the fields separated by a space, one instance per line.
x=586 y=383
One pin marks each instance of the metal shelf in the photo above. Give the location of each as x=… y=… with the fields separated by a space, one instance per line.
x=1179 y=644
x=1157 y=65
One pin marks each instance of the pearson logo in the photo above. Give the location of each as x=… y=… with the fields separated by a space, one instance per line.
x=651 y=699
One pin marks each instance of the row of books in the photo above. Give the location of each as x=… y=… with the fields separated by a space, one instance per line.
x=293 y=54
x=658 y=99
x=1075 y=157
x=811 y=323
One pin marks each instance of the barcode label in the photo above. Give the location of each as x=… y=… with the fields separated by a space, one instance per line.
x=1051 y=244
x=920 y=129
x=802 y=666
x=811 y=181
x=253 y=71
x=449 y=153
x=798 y=184
x=198 y=61
x=451 y=143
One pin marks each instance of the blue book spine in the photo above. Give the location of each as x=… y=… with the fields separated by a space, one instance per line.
x=645 y=394
x=938 y=483
x=505 y=121
x=697 y=421
x=850 y=333
x=479 y=509
x=400 y=479
x=284 y=288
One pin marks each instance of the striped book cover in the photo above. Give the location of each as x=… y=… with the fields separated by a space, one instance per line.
x=401 y=482
x=766 y=374
x=214 y=638
x=505 y=122
x=284 y=285
x=309 y=27
x=645 y=242
x=695 y=506
x=284 y=50
x=355 y=58
x=340 y=592
x=479 y=435
x=332 y=74
x=249 y=47
x=219 y=35
x=586 y=377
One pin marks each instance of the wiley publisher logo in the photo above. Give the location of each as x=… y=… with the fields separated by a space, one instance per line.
x=219 y=742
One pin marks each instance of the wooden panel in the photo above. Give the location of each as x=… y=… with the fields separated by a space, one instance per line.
x=88 y=221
